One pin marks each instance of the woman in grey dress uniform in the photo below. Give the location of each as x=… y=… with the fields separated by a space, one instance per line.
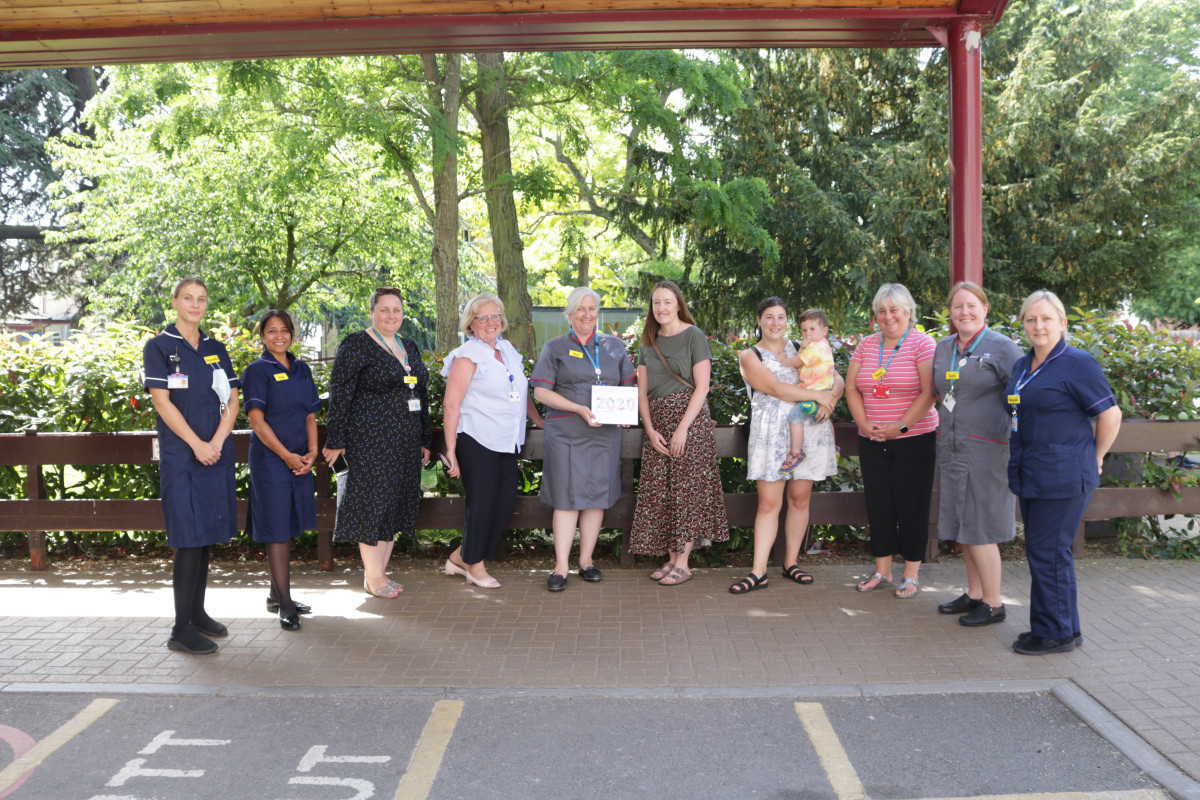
x=975 y=507
x=581 y=473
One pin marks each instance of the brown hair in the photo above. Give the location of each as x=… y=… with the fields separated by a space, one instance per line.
x=651 y=328
x=970 y=286
x=384 y=291
x=188 y=281
x=814 y=314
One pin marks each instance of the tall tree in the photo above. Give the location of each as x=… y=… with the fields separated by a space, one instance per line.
x=36 y=106
x=491 y=113
x=192 y=179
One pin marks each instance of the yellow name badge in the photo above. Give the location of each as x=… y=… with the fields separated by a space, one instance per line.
x=211 y=359
x=1014 y=399
x=410 y=378
x=281 y=376
x=575 y=353
x=879 y=373
x=951 y=375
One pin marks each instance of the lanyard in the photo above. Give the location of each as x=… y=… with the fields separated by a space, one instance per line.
x=964 y=357
x=399 y=341
x=412 y=384
x=883 y=368
x=594 y=361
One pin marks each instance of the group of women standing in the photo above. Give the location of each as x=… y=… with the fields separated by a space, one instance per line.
x=379 y=436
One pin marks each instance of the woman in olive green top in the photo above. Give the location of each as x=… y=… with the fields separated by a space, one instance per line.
x=679 y=498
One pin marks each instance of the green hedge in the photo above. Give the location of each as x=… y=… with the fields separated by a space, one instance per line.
x=92 y=383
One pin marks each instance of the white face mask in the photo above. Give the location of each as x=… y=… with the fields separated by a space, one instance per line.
x=220 y=385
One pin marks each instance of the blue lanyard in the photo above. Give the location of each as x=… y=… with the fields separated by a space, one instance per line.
x=594 y=361
x=895 y=350
x=963 y=357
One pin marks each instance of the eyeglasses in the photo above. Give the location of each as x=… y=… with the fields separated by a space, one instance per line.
x=482 y=318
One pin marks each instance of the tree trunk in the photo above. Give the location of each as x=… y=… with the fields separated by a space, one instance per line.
x=445 y=93
x=491 y=103
x=585 y=264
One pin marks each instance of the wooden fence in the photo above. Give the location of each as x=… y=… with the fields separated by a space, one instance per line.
x=35 y=515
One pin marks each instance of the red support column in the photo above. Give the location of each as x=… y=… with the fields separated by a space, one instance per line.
x=962 y=42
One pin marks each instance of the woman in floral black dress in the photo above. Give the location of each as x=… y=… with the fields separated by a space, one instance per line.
x=379 y=419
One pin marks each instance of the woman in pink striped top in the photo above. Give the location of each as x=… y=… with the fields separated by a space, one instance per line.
x=889 y=388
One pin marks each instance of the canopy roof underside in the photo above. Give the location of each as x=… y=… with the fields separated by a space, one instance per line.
x=56 y=33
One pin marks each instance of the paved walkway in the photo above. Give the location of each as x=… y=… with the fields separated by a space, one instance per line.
x=1140 y=660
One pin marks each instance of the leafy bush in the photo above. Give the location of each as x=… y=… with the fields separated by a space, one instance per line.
x=91 y=382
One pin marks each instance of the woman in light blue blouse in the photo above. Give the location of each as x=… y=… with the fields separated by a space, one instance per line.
x=486 y=403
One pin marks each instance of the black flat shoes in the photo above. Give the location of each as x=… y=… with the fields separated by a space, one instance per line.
x=1041 y=646
x=960 y=605
x=273 y=607
x=289 y=622
x=590 y=574
x=983 y=614
x=556 y=582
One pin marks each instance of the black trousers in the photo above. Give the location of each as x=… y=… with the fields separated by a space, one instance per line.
x=898 y=484
x=490 y=480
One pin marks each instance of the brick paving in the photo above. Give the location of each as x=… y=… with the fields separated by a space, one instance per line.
x=1140 y=659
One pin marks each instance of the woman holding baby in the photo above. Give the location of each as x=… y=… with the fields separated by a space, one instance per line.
x=770 y=369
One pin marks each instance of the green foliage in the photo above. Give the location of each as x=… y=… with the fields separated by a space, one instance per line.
x=194 y=179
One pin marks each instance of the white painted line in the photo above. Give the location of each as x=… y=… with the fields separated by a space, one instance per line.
x=839 y=770
x=316 y=755
x=133 y=769
x=167 y=738
x=427 y=757
x=46 y=747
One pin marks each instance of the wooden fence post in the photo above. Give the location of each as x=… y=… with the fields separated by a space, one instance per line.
x=35 y=489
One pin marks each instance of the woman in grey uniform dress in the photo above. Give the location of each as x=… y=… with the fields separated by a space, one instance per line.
x=975 y=507
x=581 y=475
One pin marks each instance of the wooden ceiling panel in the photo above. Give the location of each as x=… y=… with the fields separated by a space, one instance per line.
x=73 y=33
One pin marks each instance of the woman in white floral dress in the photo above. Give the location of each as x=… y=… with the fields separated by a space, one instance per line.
x=773 y=393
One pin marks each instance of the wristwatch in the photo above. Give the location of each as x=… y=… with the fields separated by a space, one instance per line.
x=904 y=429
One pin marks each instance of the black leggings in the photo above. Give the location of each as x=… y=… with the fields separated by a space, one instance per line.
x=898 y=484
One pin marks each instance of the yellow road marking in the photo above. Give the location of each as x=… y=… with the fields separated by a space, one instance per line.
x=431 y=749
x=46 y=747
x=838 y=768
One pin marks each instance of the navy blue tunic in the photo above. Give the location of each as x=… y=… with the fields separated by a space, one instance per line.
x=1052 y=454
x=282 y=504
x=199 y=502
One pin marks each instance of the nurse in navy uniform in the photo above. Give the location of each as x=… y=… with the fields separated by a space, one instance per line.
x=281 y=402
x=195 y=392
x=1054 y=395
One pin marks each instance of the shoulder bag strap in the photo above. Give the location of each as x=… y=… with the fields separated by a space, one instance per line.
x=688 y=384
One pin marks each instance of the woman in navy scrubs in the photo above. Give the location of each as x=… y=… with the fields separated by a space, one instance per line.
x=195 y=392
x=281 y=402
x=1054 y=464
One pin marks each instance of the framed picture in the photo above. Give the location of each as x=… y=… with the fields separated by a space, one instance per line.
x=615 y=405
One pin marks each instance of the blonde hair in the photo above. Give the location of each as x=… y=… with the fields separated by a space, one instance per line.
x=970 y=286
x=1040 y=295
x=471 y=309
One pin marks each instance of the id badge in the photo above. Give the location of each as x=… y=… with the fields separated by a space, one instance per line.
x=1013 y=427
x=879 y=390
x=411 y=380
x=177 y=380
x=951 y=375
x=414 y=404
x=514 y=397
x=948 y=402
